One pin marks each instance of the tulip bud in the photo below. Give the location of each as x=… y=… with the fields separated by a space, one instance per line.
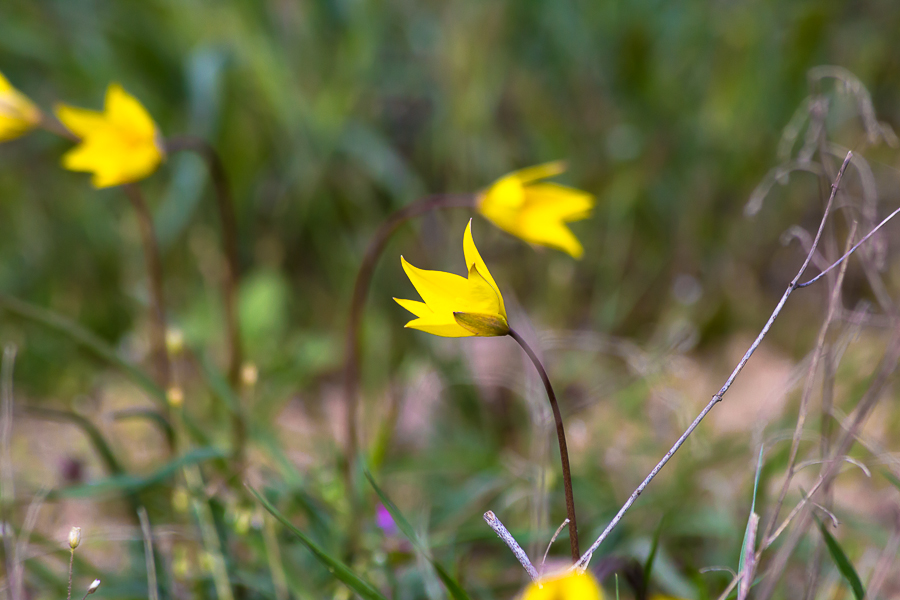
x=74 y=537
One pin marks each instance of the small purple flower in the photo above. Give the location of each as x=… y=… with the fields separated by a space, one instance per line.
x=384 y=520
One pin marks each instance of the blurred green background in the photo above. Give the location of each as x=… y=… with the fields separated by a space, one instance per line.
x=331 y=114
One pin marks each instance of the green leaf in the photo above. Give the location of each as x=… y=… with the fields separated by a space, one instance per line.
x=648 y=564
x=341 y=571
x=452 y=585
x=843 y=563
x=84 y=338
x=892 y=478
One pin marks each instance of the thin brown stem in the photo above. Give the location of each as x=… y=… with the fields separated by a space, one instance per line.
x=225 y=207
x=353 y=346
x=737 y=370
x=561 y=437
x=154 y=273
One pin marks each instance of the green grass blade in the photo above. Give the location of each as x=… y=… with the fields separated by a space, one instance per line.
x=112 y=464
x=843 y=563
x=134 y=483
x=341 y=571
x=84 y=338
x=452 y=585
x=651 y=558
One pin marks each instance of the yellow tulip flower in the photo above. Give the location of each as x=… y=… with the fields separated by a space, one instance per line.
x=119 y=145
x=18 y=114
x=571 y=586
x=457 y=306
x=537 y=211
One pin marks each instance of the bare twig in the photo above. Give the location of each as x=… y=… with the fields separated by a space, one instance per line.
x=582 y=563
x=818 y=353
x=851 y=251
x=491 y=519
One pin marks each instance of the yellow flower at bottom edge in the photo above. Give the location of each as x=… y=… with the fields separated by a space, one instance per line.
x=119 y=145
x=537 y=211
x=18 y=114
x=570 y=586
x=457 y=306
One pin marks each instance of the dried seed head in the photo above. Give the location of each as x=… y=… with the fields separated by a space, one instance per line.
x=174 y=341
x=74 y=537
x=249 y=374
x=175 y=396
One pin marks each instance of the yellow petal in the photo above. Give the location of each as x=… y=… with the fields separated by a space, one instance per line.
x=542 y=171
x=473 y=259
x=5 y=85
x=124 y=111
x=440 y=291
x=80 y=121
x=439 y=327
x=553 y=234
x=420 y=309
x=574 y=586
x=558 y=202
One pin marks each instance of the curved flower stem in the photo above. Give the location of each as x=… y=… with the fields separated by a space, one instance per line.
x=154 y=272
x=563 y=450
x=352 y=347
x=225 y=206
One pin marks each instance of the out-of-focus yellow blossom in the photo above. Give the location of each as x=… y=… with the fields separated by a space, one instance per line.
x=119 y=145
x=536 y=211
x=570 y=586
x=457 y=306
x=18 y=114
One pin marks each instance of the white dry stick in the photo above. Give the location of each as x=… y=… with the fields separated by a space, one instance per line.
x=491 y=519
x=748 y=569
x=585 y=559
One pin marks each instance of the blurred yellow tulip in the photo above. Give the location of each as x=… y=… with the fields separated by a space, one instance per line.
x=18 y=114
x=537 y=211
x=119 y=145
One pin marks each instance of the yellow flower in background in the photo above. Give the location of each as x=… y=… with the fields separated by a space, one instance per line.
x=537 y=211
x=18 y=114
x=119 y=145
x=571 y=586
x=457 y=306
